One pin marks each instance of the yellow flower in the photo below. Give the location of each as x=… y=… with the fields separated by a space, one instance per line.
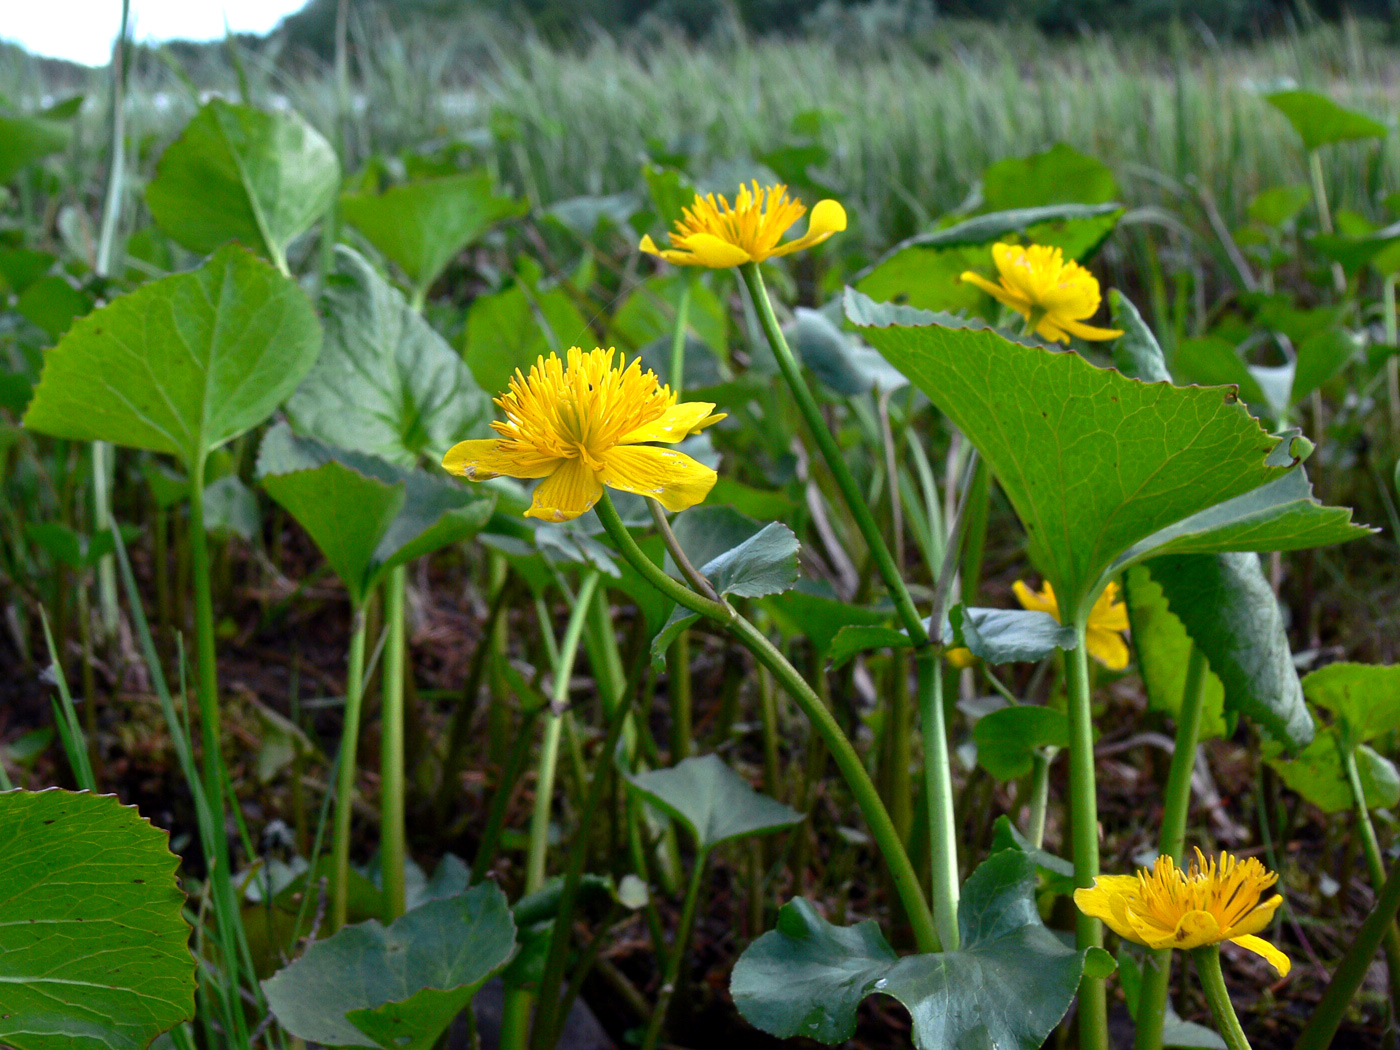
x=1037 y=282
x=960 y=658
x=1216 y=900
x=714 y=234
x=583 y=427
x=1107 y=620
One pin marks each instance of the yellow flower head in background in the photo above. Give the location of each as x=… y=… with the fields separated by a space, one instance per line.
x=712 y=233
x=1037 y=282
x=1108 y=619
x=585 y=426
x=1215 y=900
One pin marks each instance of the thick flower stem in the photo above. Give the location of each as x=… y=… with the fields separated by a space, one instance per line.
x=393 y=846
x=1374 y=866
x=345 y=775
x=847 y=760
x=1084 y=832
x=1207 y=960
x=939 y=788
x=1152 y=1000
x=207 y=667
x=677 y=957
x=850 y=490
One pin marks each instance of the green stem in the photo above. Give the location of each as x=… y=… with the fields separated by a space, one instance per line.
x=939 y=787
x=1171 y=842
x=345 y=774
x=554 y=720
x=1392 y=361
x=847 y=759
x=393 y=849
x=678 y=949
x=676 y=378
x=1207 y=960
x=1324 y=214
x=1084 y=833
x=1040 y=795
x=1374 y=865
x=207 y=674
x=681 y=697
x=855 y=499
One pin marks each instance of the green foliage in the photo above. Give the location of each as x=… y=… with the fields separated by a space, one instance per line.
x=1002 y=636
x=93 y=946
x=511 y=329
x=386 y=384
x=399 y=986
x=423 y=225
x=1319 y=776
x=1008 y=739
x=711 y=801
x=1320 y=122
x=1060 y=175
x=1007 y=986
x=1364 y=696
x=183 y=364
x=23 y=140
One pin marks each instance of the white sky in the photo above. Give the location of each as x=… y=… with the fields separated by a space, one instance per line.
x=83 y=30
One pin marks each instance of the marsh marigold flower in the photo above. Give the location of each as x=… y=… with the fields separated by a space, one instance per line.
x=1037 y=282
x=1108 y=619
x=713 y=233
x=586 y=426
x=1216 y=900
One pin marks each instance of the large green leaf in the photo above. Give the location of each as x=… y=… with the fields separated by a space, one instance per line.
x=1366 y=696
x=713 y=802
x=819 y=619
x=94 y=950
x=1005 y=989
x=1003 y=636
x=423 y=225
x=386 y=384
x=649 y=314
x=182 y=364
x=507 y=331
x=1318 y=775
x=1104 y=470
x=1059 y=175
x=237 y=173
x=1008 y=739
x=24 y=140
x=841 y=362
x=398 y=986
x=1319 y=121
x=366 y=515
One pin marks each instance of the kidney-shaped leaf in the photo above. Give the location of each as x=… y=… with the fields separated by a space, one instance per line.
x=1008 y=739
x=366 y=515
x=1095 y=463
x=182 y=364
x=712 y=801
x=396 y=986
x=1059 y=175
x=1003 y=636
x=423 y=225
x=237 y=173
x=1366 y=696
x=94 y=950
x=1319 y=776
x=1005 y=989
x=387 y=384
x=1320 y=121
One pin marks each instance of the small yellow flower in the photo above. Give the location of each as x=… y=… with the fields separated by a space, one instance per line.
x=1037 y=282
x=1214 y=901
x=960 y=658
x=584 y=427
x=714 y=234
x=1107 y=620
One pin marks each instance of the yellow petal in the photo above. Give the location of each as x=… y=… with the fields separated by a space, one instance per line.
x=997 y=291
x=1087 y=331
x=1259 y=946
x=828 y=217
x=1108 y=612
x=1048 y=327
x=705 y=249
x=488 y=458
x=677 y=424
x=1107 y=900
x=1107 y=647
x=568 y=492
x=1194 y=929
x=960 y=658
x=1258 y=918
x=648 y=245
x=1037 y=601
x=671 y=478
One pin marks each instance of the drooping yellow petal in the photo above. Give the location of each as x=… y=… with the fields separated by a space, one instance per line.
x=1108 y=612
x=1259 y=946
x=487 y=458
x=705 y=249
x=1194 y=929
x=1107 y=647
x=568 y=492
x=1253 y=919
x=1088 y=332
x=671 y=478
x=678 y=423
x=1107 y=901
x=716 y=234
x=997 y=291
x=828 y=217
x=1037 y=601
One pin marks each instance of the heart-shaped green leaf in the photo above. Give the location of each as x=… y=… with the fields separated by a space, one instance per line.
x=366 y=515
x=822 y=620
x=1104 y=470
x=423 y=225
x=1059 y=175
x=94 y=949
x=1319 y=121
x=237 y=173
x=1366 y=696
x=1008 y=739
x=398 y=986
x=1319 y=776
x=1003 y=636
x=386 y=384
x=182 y=364
x=713 y=802
x=1007 y=986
